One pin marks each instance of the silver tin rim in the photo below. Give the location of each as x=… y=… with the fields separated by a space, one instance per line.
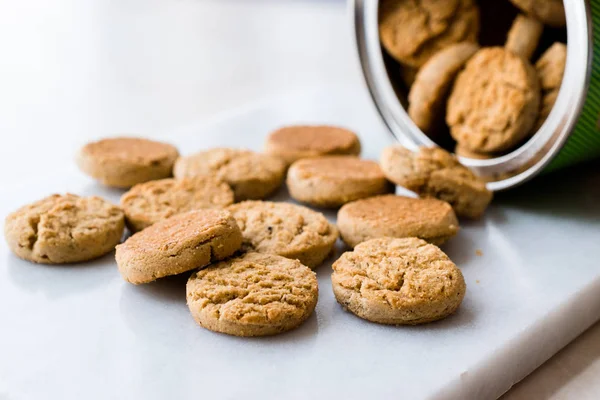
x=529 y=159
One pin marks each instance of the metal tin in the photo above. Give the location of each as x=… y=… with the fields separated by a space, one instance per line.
x=570 y=135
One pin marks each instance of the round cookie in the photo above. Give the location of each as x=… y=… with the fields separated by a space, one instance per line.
x=150 y=202
x=428 y=95
x=550 y=68
x=178 y=244
x=433 y=172
x=63 y=229
x=550 y=12
x=252 y=176
x=494 y=102
x=285 y=229
x=292 y=143
x=462 y=151
x=524 y=36
x=412 y=31
x=252 y=295
x=332 y=181
x=398 y=282
x=123 y=162
x=396 y=216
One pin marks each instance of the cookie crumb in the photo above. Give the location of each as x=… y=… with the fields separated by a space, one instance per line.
x=477 y=281
x=478 y=252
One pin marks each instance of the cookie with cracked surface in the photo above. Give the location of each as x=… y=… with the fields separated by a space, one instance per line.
x=494 y=102
x=125 y=161
x=292 y=143
x=524 y=36
x=412 y=31
x=332 y=181
x=178 y=244
x=251 y=175
x=396 y=216
x=252 y=295
x=550 y=68
x=150 y=202
x=398 y=282
x=550 y=12
x=433 y=172
x=428 y=95
x=62 y=229
x=285 y=229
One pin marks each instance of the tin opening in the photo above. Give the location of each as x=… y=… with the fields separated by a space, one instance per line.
x=387 y=85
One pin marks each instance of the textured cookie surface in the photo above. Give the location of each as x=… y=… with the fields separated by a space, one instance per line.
x=181 y=243
x=413 y=30
x=285 y=229
x=252 y=295
x=494 y=102
x=428 y=95
x=550 y=12
x=150 y=202
x=398 y=281
x=292 y=143
x=64 y=229
x=331 y=181
x=124 y=162
x=251 y=175
x=433 y=172
x=396 y=216
x=550 y=68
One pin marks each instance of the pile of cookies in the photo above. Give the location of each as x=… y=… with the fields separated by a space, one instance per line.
x=251 y=260
x=491 y=99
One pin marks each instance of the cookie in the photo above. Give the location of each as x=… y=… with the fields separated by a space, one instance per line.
x=462 y=151
x=62 y=229
x=396 y=216
x=150 y=202
x=292 y=143
x=178 y=244
x=398 y=282
x=494 y=101
x=428 y=95
x=252 y=176
x=332 y=181
x=550 y=68
x=412 y=31
x=433 y=172
x=252 y=295
x=123 y=162
x=524 y=36
x=285 y=229
x=550 y=12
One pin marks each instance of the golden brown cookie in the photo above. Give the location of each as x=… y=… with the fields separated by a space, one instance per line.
x=285 y=229
x=396 y=216
x=494 y=102
x=413 y=30
x=150 y=202
x=398 y=282
x=252 y=176
x=550 y=12
x=63 y=229
x=428 y=95
x=253 y=295
x=178 y=244
x=332 y=181
x=123 y=162
x=524 y=36
x=462 y=151
x=550 y=68
x=433 y=172
x=292 y=143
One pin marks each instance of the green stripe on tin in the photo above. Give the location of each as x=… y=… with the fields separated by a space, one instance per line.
x=584 y=142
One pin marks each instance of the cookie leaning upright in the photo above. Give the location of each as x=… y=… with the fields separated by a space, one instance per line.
x=292 y=143
x=285 y=229
x=252 y=176
x=252 y=295
x=433 y=172
x=398 y=282
x=64 y=229
x=178 y=244
x=550 y=12
x=396 y=216
x=332 y=181
x=550 y=68
x=124 y=162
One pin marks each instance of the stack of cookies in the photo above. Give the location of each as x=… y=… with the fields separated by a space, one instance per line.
x=490 y=99
x=251 y=261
